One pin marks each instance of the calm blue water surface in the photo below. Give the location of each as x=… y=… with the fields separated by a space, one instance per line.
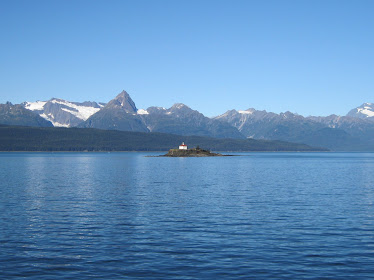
x=127 y=216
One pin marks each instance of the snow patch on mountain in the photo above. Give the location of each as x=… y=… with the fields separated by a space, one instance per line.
x=57 y=124
x=142 y=112
x=177 y=106
x=246 y=112
x=366 y=110
x=64 y=113
x=81 y=112
x=35 y=106
x=49 y=117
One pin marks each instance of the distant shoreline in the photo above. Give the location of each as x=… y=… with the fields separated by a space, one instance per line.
x=35 y=139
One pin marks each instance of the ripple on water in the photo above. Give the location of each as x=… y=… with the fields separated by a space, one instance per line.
x=122 y=215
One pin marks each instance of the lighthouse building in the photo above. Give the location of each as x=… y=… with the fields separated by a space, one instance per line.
x=183 y=146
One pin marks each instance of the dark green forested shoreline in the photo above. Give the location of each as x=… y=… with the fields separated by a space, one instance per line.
x=19 y=138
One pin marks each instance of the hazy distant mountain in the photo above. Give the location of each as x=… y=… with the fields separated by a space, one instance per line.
x=119 y=114
x=361 y=130
x=64 y=113
x=335 y=133
x=267 y=125
x=181 y=119
x=17 y=115
x=365 y=111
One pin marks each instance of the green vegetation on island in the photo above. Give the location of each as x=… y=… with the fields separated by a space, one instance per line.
x=195 y=152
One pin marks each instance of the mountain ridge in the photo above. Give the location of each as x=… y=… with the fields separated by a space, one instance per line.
x=17 y=115
x=63 y=113
x=121 y=113
x=333 y=132
x=355 y=129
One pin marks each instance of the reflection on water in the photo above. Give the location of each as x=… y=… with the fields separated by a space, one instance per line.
x=123 y=215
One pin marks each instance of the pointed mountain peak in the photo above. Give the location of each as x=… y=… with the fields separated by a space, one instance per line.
x=123 y=101
x=123 y=94
x=179 y=106
x=228 y=113
x=365 y=111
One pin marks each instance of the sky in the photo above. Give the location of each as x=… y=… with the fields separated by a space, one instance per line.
x=307 y=57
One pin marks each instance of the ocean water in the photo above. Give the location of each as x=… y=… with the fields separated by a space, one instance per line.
x=127 y=216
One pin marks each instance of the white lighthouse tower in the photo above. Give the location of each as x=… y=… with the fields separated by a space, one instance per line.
x=183 y=146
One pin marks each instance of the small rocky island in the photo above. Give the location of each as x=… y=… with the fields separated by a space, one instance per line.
x=183 y=151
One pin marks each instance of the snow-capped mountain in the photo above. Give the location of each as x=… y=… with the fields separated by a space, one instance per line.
x=119 y=114
x=365 y=111
x=64 y=113
x=17 y=115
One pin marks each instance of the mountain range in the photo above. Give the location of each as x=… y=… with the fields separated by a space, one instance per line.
x=62 y=113
x=354 y=132
x=121 y=113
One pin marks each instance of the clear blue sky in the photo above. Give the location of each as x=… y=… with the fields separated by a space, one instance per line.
x=309 y=57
